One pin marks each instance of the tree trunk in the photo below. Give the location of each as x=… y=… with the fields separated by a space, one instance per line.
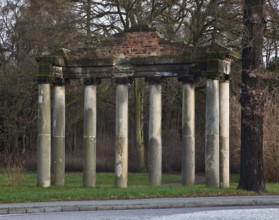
x=252 y=98
x=88 y=18
x=139 y=93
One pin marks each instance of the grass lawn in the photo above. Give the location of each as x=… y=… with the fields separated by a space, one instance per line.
x=27 y=191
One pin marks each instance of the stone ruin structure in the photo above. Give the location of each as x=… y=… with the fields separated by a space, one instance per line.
x=129 y=55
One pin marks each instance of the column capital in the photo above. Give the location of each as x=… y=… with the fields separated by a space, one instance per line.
x=45 y=71
x=92 y=81
x=123 y=80
x=190 y=79
x=50 y=73
x=51 y=66
x=217 y=69
x=42 y=80
x=59 y=81
x=154 y=80
x=225 y=78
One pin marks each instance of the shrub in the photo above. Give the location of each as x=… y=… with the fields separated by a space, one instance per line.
x=271 y=137
x=15 y=162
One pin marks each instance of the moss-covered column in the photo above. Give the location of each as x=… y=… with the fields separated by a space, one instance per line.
x=44 y=127
x=212 y=170
x=212 y=133
x=188 y=131
x=217 y=123
x=89 y=133
x=155 y=130
x=58 y=134
x=121 y=133
x=50 y=69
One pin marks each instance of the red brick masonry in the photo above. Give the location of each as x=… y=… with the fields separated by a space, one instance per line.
x=135 y=44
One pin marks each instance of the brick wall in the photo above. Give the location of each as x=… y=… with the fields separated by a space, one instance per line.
x=133 y=44
x=139 y=44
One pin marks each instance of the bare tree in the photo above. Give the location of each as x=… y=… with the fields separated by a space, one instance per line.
x=252 y=98
x=271 y=46
x=28 y=28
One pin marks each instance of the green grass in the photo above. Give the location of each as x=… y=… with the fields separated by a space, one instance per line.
x=27 y=191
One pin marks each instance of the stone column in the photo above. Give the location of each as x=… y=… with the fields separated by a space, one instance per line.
x=121 y=134
x=212 y=133
x=224 y=133
x=188 y=132
x=89 y=134
x=58 y=135
x=44 y=135
x=155 y=127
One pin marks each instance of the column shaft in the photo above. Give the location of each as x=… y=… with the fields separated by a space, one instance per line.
x=224 y=134
x=44 y=135
x=58 y=136
x=212 y=134
x=155 y=139
x=89 y=136
x=121 y=136
x=188 y=134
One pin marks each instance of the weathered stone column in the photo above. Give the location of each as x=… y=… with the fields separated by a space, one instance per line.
x=44 y=135
x=155 y=127
x=188 y=132
x=89 y=134
x=121 y=134
x=50 y=68
x=225 y=123
x=212 y=133
x=58 y=135
x=225 y=133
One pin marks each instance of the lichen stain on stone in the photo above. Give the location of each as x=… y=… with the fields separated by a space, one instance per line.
x=119 y=170
x=118 y=156
x=88 y=112
x=88 y=107
x=40 y=99
x=154 y=142
x=186 y=129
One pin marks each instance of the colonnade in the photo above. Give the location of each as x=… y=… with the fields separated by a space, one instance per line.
x=51 y=146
